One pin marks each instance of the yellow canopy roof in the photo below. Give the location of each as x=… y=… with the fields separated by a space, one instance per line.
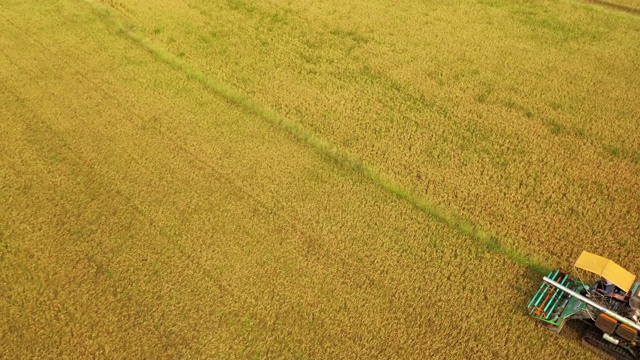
x=607 y=269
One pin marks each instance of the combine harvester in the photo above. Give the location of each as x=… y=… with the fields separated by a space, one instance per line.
x=610 y=307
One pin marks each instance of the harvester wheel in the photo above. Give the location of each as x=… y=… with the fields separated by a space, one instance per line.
x=594 y=341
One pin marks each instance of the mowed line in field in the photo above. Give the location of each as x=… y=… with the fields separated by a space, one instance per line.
x=136 y=249
x=323 y=146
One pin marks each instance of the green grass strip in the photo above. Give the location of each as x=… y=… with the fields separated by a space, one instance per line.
x=322 y=146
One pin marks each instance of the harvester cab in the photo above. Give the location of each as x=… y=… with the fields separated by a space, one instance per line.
x=610 y=306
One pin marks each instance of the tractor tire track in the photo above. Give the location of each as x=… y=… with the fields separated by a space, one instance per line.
x=619 y=7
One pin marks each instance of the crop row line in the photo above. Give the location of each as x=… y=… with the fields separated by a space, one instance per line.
x=321 y=145
x=619 y=7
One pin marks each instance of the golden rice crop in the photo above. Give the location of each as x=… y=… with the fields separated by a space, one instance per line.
x=145 y=214
x=520 y=117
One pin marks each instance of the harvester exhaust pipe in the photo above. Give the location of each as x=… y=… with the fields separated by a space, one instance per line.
x=611 y=339
x=593 y=304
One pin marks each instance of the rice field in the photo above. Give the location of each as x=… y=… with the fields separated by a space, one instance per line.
x=308 y=179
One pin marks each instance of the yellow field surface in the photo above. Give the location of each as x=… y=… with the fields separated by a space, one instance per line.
x=519 y=116
x=208 y=200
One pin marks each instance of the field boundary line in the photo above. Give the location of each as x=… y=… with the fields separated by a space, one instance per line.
x=321 y=145
x=613 y=6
